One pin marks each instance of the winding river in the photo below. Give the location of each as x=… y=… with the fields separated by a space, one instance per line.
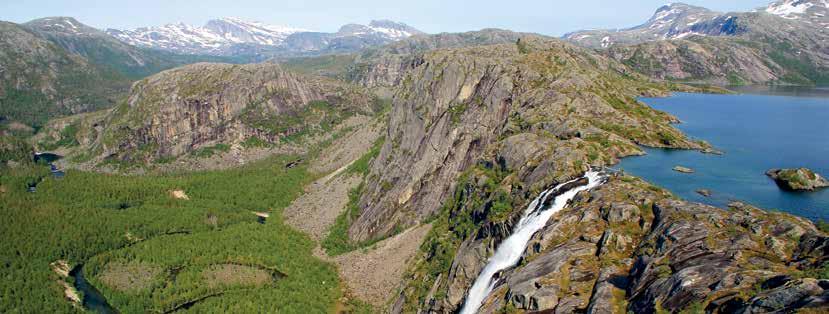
x=509 y=252
x=93 y=300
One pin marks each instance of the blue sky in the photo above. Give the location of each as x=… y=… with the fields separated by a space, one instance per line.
x=551 y=17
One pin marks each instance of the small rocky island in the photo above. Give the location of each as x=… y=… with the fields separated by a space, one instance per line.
x=683 y=169
x=801 y=179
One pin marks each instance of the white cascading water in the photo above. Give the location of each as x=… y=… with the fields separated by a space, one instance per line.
x=510 y=250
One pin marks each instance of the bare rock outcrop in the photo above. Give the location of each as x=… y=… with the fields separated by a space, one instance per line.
x=181 y=110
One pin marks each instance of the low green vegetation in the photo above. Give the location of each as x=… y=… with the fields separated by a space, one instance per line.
x=68 y=138
x=799 y=69
x=361 y=166
x=337 y=241
x=255 y=142
x=332 y=65
x=823 y=226
x=318 y=117
x=14 y=148
x=456 y=112
x=209 y=151
x=181 y=243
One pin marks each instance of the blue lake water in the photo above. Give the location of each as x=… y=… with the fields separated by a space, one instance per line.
x=769 y=128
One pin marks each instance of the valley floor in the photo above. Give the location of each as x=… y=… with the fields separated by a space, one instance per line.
x=190 y=241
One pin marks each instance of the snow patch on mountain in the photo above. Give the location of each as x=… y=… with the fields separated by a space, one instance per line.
x=221 y=36
x=217 y=33
x=606 y=42
x=794 y=9
x=61 y=25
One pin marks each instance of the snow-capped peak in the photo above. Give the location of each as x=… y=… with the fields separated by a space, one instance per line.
x=793 y=9
x=216 y=33
x=236 y=30
x=383 y=28
x=60 y=24
x=226 y=36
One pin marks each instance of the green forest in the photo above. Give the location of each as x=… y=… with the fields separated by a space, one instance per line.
x=187 y=251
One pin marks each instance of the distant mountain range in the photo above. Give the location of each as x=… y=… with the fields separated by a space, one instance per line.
x=786 y=42
x=234 y=36
x=679 y=20
x=56 y=66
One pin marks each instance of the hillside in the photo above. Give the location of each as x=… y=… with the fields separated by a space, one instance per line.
x=454 y=104
x=41 y=80
x=58 y=66
x=671 y=21
x=106 y=51
x=776 y=50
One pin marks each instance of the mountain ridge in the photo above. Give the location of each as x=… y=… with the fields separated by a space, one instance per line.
x=783 y=43
x=680 y=21
x=230 y=36
x=41 y=80
x=671 y=21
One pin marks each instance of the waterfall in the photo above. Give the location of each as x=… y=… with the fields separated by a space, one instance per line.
x=510 y=250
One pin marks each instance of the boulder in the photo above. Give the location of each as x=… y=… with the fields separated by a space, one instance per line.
x=620 y=212
x=179 y=195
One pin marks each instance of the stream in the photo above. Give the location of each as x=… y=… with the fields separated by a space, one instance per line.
x=509 y=252
x=93 y=300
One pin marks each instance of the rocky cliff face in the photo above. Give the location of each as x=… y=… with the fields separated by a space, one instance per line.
x=58 y=66
x=181 y=110
x=542 y=97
